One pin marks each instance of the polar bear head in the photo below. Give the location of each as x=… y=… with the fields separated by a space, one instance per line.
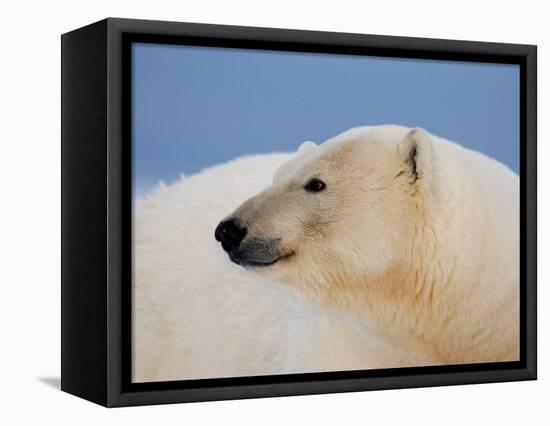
x=337 y=213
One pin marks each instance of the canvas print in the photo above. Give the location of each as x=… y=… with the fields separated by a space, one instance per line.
x=299 y=212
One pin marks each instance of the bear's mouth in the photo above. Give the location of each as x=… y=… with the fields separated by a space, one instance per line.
x=240 y=259
x=259 y=252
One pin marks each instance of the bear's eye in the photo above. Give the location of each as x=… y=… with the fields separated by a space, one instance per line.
x=315 y=185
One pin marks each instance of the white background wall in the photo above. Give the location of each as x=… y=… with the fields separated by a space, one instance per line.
x=29 y=225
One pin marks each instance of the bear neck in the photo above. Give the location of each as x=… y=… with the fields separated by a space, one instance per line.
x=424 y=299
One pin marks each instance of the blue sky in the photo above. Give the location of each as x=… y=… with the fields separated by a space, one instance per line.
x=194 y=107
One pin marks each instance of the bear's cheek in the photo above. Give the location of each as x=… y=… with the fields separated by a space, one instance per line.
x=317 y=223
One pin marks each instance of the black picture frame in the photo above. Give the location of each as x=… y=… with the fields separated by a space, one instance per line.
x=96 y=212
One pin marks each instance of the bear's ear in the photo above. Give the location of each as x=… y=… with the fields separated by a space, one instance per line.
x=415 y=154
x=307 y=146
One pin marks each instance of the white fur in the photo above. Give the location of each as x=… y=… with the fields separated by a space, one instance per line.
x=197 y=315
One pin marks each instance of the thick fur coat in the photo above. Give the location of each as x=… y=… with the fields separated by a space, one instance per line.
x=410 y=256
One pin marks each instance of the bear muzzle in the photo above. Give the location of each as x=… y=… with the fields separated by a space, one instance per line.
x=252 y=252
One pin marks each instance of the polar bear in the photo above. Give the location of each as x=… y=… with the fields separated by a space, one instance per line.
x=382 y=247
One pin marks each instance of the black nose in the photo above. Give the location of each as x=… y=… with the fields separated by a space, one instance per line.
x=229 y=234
